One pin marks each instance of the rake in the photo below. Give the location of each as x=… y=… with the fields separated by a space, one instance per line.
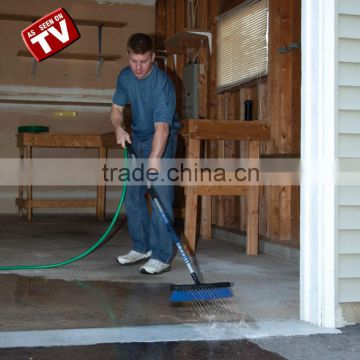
x=190 y=292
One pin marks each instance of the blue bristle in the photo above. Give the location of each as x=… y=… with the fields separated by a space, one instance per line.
x=200 y=294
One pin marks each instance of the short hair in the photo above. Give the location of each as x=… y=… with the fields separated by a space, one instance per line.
x=140 y=43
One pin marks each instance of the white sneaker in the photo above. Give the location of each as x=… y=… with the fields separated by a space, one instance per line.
x=133 y=257
x=154 y=267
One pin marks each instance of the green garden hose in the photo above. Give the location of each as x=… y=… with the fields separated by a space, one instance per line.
x=85 y=253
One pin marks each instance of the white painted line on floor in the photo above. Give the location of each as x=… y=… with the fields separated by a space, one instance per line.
x=159 y=333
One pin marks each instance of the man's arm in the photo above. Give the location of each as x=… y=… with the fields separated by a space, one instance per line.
x=117 y=121
x=158 y=144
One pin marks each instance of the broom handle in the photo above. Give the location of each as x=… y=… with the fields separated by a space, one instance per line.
x=167 y=223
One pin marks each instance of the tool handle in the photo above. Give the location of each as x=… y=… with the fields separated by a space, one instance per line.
x=167 y=223
x=130 y=149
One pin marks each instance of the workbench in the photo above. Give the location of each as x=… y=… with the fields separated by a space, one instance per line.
x=27 y=141
x=196 y=130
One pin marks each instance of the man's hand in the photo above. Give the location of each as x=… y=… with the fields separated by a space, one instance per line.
x=122 y=136
x=117 y=120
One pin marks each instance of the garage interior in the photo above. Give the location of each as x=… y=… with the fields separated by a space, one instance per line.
x=72 y=95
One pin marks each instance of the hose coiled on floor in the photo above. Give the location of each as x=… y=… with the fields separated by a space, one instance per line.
x=85 y=253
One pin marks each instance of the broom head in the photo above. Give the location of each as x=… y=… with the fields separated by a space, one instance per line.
x=201 y=292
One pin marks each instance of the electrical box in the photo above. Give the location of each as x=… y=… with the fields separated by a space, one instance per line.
x=191 y=91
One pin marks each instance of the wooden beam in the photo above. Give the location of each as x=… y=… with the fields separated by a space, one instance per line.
x=180 y=14
x=226 y=5
x=101 y=190
x=74 y=56
x=219 y=200
x=284 y=108
x=50 y=203
x=285 y=213
x=59 y=140
x=221 y=190
x=109 y=24
x=57 y=103
x=284 y=75
x=295 y=57
x=274 y=212
x=253 y=208
x=202 y=14
x=245 y=93
x=229 y=152
x=170 y=18
x=274 y=72
x=295 y=216
x=203 y=84
x=15 y=17
x=263 y=111
x=31 y=18
x=170 y=30
x=28 y=155
x=207 y=129
x=212 y=146
x=108 y=140
x=160 y=23
x=191 y=201
x=285 y=64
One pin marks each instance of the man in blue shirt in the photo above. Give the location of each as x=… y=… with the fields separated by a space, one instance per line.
x=154 y=124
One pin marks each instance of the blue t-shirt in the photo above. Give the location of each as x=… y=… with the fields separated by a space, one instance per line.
x=152 y=99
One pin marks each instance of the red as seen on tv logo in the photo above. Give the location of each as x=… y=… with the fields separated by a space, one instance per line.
x=50 y=34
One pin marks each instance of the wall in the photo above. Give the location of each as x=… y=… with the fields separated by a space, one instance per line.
x=62 y=84
x=276 y=98
x=348 y=147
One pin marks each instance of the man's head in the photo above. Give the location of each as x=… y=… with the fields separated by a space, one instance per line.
x=141 y=54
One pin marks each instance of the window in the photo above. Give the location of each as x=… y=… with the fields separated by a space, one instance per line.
x=242 y=44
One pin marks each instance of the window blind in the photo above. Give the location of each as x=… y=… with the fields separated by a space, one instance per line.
x=242 y=44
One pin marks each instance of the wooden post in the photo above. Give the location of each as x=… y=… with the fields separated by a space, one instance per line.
x=205 y=227
x=229 y=150
x=253 y=208
x=191 y=201
x=180 y=12
x=245 y=94
x=284 y=106
x=170 y=30
x=160 y=23
x=21 y=187
x=28 y=156
x=220 y=154
x=101 y=191
x=212 y=98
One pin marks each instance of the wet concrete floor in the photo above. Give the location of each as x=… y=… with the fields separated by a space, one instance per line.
x=34 y=303
x=229 y=350
x=96 y=295
x=98 y=292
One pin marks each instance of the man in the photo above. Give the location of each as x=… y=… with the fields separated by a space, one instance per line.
x=153 y=136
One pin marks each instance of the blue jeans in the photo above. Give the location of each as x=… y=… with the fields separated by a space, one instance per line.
x=149 y=232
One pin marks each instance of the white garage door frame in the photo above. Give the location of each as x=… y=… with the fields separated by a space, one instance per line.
x=318 y=235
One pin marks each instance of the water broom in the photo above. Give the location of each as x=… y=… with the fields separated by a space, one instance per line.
x=191 y=292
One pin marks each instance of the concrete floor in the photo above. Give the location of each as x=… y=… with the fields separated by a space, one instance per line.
x=96 y=301
x=244 y=350
x=265 y=287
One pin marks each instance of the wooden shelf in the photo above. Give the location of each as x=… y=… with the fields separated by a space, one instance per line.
x=74 y=56
x=31 y=18
x=239 y=130
x=193 y=38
